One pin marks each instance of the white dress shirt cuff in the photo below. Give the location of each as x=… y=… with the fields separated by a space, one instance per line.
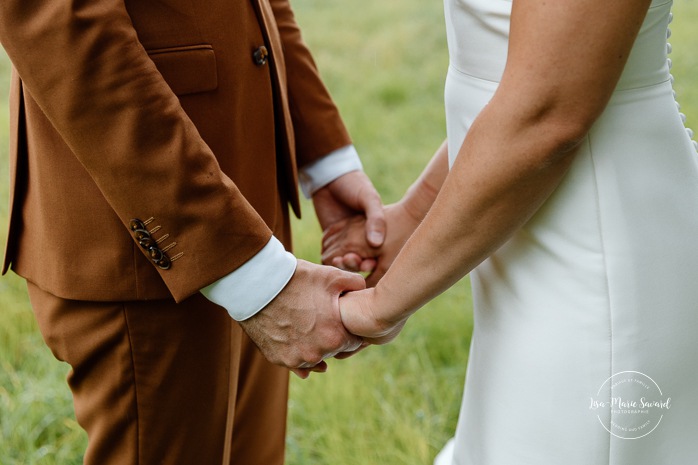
x=249 y=289
x=325 y=170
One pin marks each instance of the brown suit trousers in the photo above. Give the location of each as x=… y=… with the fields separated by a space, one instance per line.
x=155 y=382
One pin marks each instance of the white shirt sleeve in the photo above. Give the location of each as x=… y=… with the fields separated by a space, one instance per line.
x=325 y=170
x=247 y=290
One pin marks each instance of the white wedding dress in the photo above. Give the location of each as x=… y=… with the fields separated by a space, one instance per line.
x=595 y=300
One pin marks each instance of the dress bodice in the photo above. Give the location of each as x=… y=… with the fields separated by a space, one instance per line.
x=478 y=38
x=600 y=281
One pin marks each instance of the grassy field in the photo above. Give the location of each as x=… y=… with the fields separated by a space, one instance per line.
x=396 y=404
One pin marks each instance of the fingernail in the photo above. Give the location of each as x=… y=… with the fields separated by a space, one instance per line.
x=375 y=237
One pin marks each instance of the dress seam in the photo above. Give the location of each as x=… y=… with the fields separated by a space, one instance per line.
x=605 y=270
x=460 y=71
x=642 y=87
x=615 y=91
x=659 y=4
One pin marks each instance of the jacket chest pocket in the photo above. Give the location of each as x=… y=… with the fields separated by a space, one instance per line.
x=188 y=69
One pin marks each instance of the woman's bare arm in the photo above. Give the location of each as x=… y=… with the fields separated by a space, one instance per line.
x=344 y=244
x=565 y=59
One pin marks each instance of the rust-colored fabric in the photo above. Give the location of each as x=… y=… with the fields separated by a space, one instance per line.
x=154 y=109
x=157 y=110
x=160 y=382
x=156 y=382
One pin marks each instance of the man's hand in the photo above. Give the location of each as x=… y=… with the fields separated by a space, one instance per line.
x=302 y=326
x=348 y=196
x=345 y=240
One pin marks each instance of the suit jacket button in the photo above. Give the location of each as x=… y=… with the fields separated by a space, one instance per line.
x=143 y=237
x=159 y=258
x=155 y=253
x=147 y=242
x=260 y=56
x=136 y=224
x=164 y=263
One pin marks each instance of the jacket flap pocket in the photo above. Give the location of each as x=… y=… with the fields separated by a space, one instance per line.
x=188 y=69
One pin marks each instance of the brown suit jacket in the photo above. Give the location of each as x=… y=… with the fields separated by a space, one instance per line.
x=154 y=110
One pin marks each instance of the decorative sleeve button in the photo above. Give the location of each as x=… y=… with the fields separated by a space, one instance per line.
x=145 y=239
x=136 y=224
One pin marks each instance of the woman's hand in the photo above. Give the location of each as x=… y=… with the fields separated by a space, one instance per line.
x=361 y=317
x=344 y=244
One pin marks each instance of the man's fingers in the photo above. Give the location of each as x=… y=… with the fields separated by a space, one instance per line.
x=375 y=219
x=352 y=344
x=304 y=373
x=347 y=354
x=348 y=281
x=333 y=233
x=368 y=265
x=329 y=241
x=351 y=262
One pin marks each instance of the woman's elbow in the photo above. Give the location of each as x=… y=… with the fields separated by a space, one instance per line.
x=565 y=132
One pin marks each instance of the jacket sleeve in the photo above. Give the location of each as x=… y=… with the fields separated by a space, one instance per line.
x=318 y=128
x=83 y=64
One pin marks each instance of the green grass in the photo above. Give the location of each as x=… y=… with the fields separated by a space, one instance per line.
x=384 y=63
x=37 y=424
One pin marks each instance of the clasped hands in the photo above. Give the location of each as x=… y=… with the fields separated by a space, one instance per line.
x=308 y=322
